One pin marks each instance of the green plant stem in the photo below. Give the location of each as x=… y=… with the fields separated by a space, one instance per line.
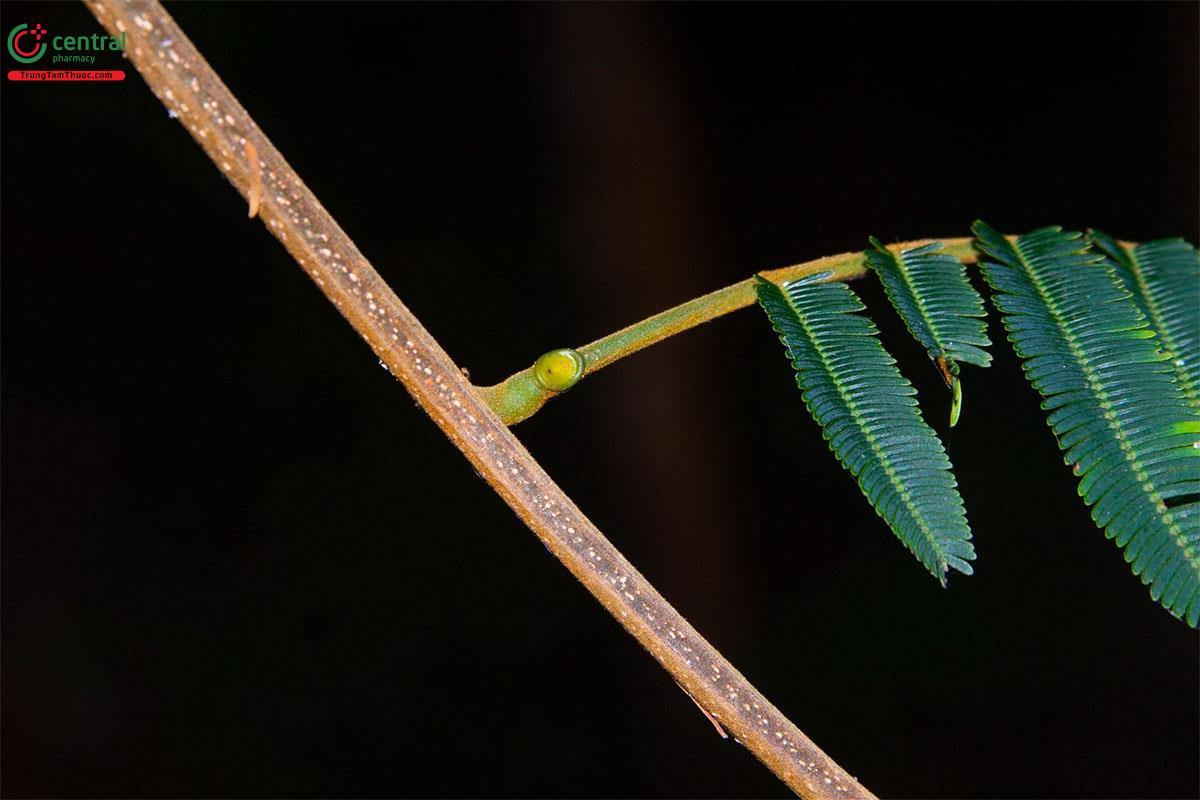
x=180 y=77
x=519 y=396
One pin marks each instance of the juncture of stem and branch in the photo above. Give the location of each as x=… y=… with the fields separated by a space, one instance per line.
x=519 y=396
x=181 y=78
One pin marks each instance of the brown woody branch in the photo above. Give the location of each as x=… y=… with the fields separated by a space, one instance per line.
x=184 y=82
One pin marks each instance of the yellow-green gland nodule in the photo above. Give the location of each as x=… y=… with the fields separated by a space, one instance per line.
x=558 y=370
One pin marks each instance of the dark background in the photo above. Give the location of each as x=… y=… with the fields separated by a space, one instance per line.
x=237 y=561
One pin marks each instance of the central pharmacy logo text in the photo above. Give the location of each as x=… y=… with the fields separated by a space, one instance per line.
x=27 y=45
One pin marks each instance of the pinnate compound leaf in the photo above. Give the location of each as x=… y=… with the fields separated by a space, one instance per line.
x=941 y=309
x=1164 y=279
x=1116 y=409
x=869 y=417
x=936 y=301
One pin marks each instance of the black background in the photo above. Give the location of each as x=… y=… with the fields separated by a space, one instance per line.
x=237 y=561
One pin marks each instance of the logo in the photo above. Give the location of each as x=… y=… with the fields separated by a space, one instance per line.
x=26 y=46
x=27 y=51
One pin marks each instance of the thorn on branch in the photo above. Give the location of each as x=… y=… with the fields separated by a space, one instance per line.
x=704 y=711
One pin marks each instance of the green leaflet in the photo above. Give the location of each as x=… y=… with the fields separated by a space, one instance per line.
x=1122 y=421
x=868 y=414
x=1164 y=279
x=955 y=400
